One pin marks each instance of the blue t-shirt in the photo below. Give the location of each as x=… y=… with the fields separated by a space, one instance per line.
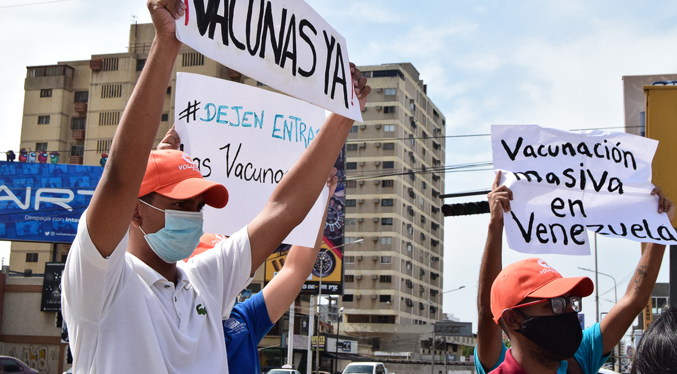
x=589 y=354
x=248 y=324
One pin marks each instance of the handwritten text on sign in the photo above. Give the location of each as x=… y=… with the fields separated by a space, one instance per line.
x=284 y=44
x=564 y=183
x=247 y=139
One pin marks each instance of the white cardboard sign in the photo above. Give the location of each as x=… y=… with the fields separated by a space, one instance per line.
x=564 y=183
x=245 y=138
x=284 y=44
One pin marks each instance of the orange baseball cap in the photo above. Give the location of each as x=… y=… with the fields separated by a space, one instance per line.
x=173 y=174
x=534 y=278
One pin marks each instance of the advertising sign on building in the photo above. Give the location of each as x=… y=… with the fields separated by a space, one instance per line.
x=51 y=287
x=44 y=202
x=329 y=263
x=450 y=328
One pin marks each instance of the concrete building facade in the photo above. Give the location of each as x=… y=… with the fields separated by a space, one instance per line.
x=394 y=176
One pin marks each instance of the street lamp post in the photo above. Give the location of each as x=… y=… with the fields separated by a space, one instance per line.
x=432 y=369
x=618 y=358
x=319 y=302
x=338 y=328
x=455 y=289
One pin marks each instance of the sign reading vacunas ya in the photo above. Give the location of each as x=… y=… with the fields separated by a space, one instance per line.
x=284 y=44
x=565 y=183
x=246 y=138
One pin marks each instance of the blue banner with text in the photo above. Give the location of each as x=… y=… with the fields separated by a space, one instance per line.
x=44 y=202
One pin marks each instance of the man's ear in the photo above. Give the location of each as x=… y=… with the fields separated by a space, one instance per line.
x=136 y=217
x=511 y=320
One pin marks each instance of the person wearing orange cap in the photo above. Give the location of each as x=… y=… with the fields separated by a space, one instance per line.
x=534 y=317
x=130 y=303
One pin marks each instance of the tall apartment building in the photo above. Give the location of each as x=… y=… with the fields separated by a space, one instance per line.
x=394 y=171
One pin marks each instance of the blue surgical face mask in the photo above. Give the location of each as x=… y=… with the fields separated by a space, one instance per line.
x=180 y=236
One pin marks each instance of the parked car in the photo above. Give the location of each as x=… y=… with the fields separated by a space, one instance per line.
x=365 y=368
x=286 y=369
x=13 y=365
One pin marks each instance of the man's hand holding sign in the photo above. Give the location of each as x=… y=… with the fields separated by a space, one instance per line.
x=564 y=183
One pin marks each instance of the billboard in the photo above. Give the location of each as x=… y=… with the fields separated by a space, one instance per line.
x=329 y=263
x=51 y=287
x=450 y=328
x=44 y=202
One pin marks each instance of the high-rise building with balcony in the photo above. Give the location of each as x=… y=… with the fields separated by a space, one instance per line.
x=394 y=176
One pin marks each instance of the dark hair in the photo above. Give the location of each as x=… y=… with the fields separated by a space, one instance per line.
x=148 y=197
x=657 y=349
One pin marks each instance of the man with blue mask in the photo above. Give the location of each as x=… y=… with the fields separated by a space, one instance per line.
x=129 y=303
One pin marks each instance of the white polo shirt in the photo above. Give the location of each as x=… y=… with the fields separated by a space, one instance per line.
x=124 y=317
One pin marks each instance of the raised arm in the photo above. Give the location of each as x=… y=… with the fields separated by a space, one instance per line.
x=295 y=195
x=112 y=205
x=286 y=285
x=623 y=314
x=489 y=344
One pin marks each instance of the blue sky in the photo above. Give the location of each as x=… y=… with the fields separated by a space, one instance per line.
x=556 y=64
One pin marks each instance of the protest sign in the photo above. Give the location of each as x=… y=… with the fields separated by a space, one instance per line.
x=564 y=183
x=284 y=44
x=247 y=139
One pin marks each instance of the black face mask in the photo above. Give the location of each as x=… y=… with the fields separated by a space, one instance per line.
x=560 y=335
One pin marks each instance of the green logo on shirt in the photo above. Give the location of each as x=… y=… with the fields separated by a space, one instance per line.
x=201 y=310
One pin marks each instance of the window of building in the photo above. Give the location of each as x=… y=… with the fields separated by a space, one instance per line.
x=385 y=298
x=349 y=278
x=43 y=120
x=424 y=185
x=386 y=240
x=411 y=140
x=78 y=123
x=388 y=146
x=390 y=92
x=109 y=118
x=77 y=150
x=410 y=247
x=31 y=257
x=350 y=221
x=388 y=73
x=388 y=164
x=192 y=59
x=111 y=90
x=165 y=117
x=389 y=128
x=111 y=64
x=140 y=63
x=350 y=203
x=389 y=109
x=349 y=259
x=386 y=221
x=46 y=92
x=40 y=146
x=351 y=147
x=81 y=97
x=385 y=279
x=103 y=146
x=347 y=298
x=351 y=184
x=387 y=202
x=353 y=130
x=422 y=219
x=410 y=229
x=351 y=165
x=386 y=259
x=387 y=183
